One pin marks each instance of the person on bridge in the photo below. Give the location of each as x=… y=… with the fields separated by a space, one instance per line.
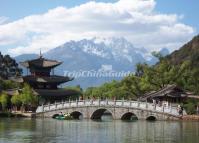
x=180 y=110
x=61 y=114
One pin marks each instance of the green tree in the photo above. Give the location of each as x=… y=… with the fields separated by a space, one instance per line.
x=149 y=78
x=158 y=55
x=28 y=99
x=162 y=74
x=88 y=92
x=16 y=100
x=4 y=101
x=138 y=83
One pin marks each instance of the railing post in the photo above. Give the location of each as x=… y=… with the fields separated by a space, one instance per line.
x=114 y=102
x=69 y=102
x=91 y=101
x=122 y=101
x=49 y=106
x=170 y=109
x=146 y=104
x=84 y=102
x=42 y=106
x=55 y=105
x=99 y=101
x=106 y=101
x=162 y=108
x=62 y=103
x=130 y=103
x=138 y=104
x=76 y=102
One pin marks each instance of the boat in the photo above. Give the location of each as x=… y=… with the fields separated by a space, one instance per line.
x=64 y=117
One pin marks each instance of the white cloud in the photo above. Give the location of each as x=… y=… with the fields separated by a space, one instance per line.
x=135 y=20
x=3 y=19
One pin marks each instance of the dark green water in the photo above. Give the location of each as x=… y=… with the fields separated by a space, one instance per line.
x=86 y=131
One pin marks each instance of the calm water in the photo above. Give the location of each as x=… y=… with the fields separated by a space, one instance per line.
x=86 y=131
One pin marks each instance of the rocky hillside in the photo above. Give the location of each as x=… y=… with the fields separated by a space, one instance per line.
x=8 y=67
x=188 y=52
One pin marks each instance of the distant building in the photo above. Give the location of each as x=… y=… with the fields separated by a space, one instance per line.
x=170 y=93
x=44 y=82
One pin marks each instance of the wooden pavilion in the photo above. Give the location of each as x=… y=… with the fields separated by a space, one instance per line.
x=170 y=93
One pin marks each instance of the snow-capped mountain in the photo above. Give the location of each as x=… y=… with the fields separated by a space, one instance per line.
x=94 y=54
x=120 y=48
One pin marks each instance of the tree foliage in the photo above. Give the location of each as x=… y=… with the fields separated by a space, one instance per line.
x=149 y=78
x=27 y=96
x=4 y=100
x=16 y=100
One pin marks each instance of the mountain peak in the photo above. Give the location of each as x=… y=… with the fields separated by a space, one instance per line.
x=109 y=47
x=108 y=40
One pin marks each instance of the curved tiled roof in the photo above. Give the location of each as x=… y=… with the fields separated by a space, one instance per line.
x=170 y=90
x=51 y=79
x=55 y=93
x=41 y=62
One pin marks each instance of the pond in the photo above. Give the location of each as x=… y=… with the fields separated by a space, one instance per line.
x=22 y=130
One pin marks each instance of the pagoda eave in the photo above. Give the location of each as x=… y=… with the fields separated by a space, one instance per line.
x=41 y=63
x=51 y=80
x=55 y=93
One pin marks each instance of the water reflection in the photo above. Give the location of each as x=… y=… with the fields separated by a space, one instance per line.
x=87 y=131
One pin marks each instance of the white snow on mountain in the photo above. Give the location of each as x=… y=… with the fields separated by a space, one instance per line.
x=118 y=48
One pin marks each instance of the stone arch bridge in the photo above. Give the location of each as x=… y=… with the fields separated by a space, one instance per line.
x=119 y=109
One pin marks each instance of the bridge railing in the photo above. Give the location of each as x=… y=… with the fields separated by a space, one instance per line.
x=113 y=103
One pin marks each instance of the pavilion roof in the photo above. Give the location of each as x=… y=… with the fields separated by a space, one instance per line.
x=172 y=91
x=40 y=62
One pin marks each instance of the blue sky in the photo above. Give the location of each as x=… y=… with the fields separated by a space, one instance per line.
x=188 y=8
x=15 y=10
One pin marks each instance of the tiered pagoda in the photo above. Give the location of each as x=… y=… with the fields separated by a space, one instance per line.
x=43 y=80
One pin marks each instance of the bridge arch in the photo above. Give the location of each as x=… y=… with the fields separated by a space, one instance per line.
x=76 y=115
x=54 y=116
x=97 y=114
x=128 y=116
x=151 y=118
